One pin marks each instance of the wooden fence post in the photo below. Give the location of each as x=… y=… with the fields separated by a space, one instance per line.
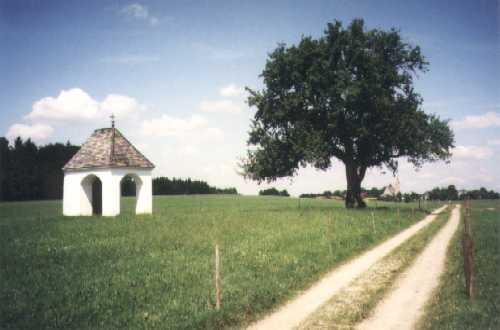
x=373 y=223
x=217 y=278
x=468 y=252
x=329 y=233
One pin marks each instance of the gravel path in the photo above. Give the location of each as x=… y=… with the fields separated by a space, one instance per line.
x=402 y=308
x=295 y=311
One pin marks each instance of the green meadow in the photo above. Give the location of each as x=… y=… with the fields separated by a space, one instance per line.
x=158 y=271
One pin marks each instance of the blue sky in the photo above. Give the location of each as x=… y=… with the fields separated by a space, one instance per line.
x=173 y=72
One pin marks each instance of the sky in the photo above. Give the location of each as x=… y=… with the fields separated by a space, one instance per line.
x=174 y=72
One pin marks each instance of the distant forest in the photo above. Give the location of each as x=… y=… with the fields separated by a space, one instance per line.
x=166 y=186
x=373 y=192
x=274 y=192
x=31 y=172
x=437 y=193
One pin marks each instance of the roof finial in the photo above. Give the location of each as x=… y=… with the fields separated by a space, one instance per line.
x=112 y=154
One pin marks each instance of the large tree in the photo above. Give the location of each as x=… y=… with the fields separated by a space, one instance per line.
x=347 y=95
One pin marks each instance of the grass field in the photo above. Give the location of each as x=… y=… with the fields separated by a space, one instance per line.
x=157 y=271
x=450 y=308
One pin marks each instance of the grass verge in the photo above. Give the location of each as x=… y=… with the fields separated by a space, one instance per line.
x=354 y=303
x=450 y=307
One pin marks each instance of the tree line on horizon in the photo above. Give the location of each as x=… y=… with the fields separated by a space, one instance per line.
x=178 y=186
x=31 y=172
x=274 y=192
x=437 y=193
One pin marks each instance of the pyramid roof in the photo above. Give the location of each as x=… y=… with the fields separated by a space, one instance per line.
x=105 y=148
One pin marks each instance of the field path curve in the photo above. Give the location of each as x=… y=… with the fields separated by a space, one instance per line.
x=402 y=308
x=297 y=310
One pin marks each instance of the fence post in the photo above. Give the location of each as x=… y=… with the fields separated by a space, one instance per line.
x=399 y=218
x=217 y=278
x=468 y=252
x=329 y=232
x=373 y=223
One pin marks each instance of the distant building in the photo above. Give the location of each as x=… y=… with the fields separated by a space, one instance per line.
x=392 y=189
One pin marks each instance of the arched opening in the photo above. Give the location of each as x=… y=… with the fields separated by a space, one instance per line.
x=130 y=187
x=92 y=203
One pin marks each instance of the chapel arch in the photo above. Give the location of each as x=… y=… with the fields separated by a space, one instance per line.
x=131 y=186
x=92 y=201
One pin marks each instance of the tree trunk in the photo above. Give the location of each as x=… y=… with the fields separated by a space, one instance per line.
x=354 y=175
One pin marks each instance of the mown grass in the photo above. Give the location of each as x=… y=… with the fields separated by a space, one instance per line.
x=355 y=302
x=450 y=307
x=157 y=271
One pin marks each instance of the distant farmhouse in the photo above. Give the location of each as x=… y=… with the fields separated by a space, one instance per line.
x=392 y=189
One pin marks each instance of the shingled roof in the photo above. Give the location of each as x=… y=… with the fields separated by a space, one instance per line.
x=107 y=147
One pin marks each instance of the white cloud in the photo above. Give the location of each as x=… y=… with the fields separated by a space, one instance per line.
x=139 y=12
x=135 y=10
x=452 y=180
x=475 y=152
x=76 y=104
x=189 y=150
x=226 y=106
x=214 y=133
x=488 y=119
x=120 y=105
x=231 y=90
x=35 y=132
x=495 y=142
x=178 y=127
x=70 y=104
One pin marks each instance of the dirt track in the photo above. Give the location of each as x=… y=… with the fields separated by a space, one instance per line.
x=295 y=311
x=402 y=308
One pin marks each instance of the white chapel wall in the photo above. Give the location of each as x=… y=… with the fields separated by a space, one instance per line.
x=76 y=201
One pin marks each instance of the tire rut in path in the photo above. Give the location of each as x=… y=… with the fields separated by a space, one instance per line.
x=402 y=308
x=297 y=310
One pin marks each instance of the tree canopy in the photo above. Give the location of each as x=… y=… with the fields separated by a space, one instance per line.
x=347 y=95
